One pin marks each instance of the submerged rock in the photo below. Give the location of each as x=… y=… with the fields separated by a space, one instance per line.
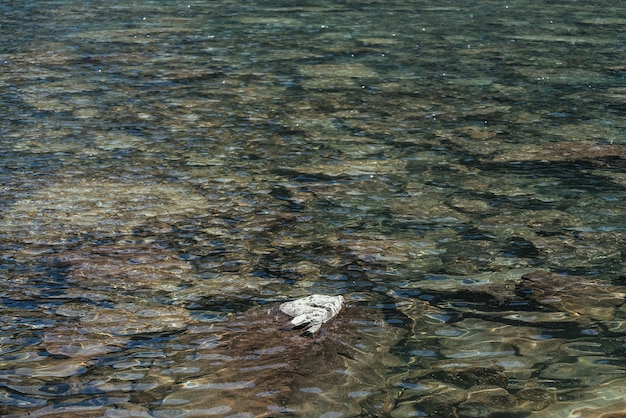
x=258 y=364
x=131 y=272
x=564 y=151
x=587 y=299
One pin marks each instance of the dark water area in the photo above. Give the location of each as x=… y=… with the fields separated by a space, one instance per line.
x=172 y=171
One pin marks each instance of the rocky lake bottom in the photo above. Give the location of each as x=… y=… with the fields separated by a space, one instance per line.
x=174 y=171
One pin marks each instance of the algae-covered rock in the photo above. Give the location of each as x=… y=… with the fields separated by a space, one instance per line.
x=257 y=363
x=587 y=299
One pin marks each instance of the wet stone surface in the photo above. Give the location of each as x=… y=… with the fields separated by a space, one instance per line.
x=171 y=173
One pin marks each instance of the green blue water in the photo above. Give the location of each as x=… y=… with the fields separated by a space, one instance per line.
x=455 y=170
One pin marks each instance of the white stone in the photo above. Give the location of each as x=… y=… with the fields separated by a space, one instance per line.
x=312 y=311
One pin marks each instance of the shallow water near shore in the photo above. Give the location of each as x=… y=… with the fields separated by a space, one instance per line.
x=172 y=171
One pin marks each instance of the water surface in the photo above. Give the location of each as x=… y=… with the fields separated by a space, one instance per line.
x=171 y=170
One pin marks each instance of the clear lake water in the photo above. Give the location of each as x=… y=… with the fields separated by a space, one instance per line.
x=171 y=171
